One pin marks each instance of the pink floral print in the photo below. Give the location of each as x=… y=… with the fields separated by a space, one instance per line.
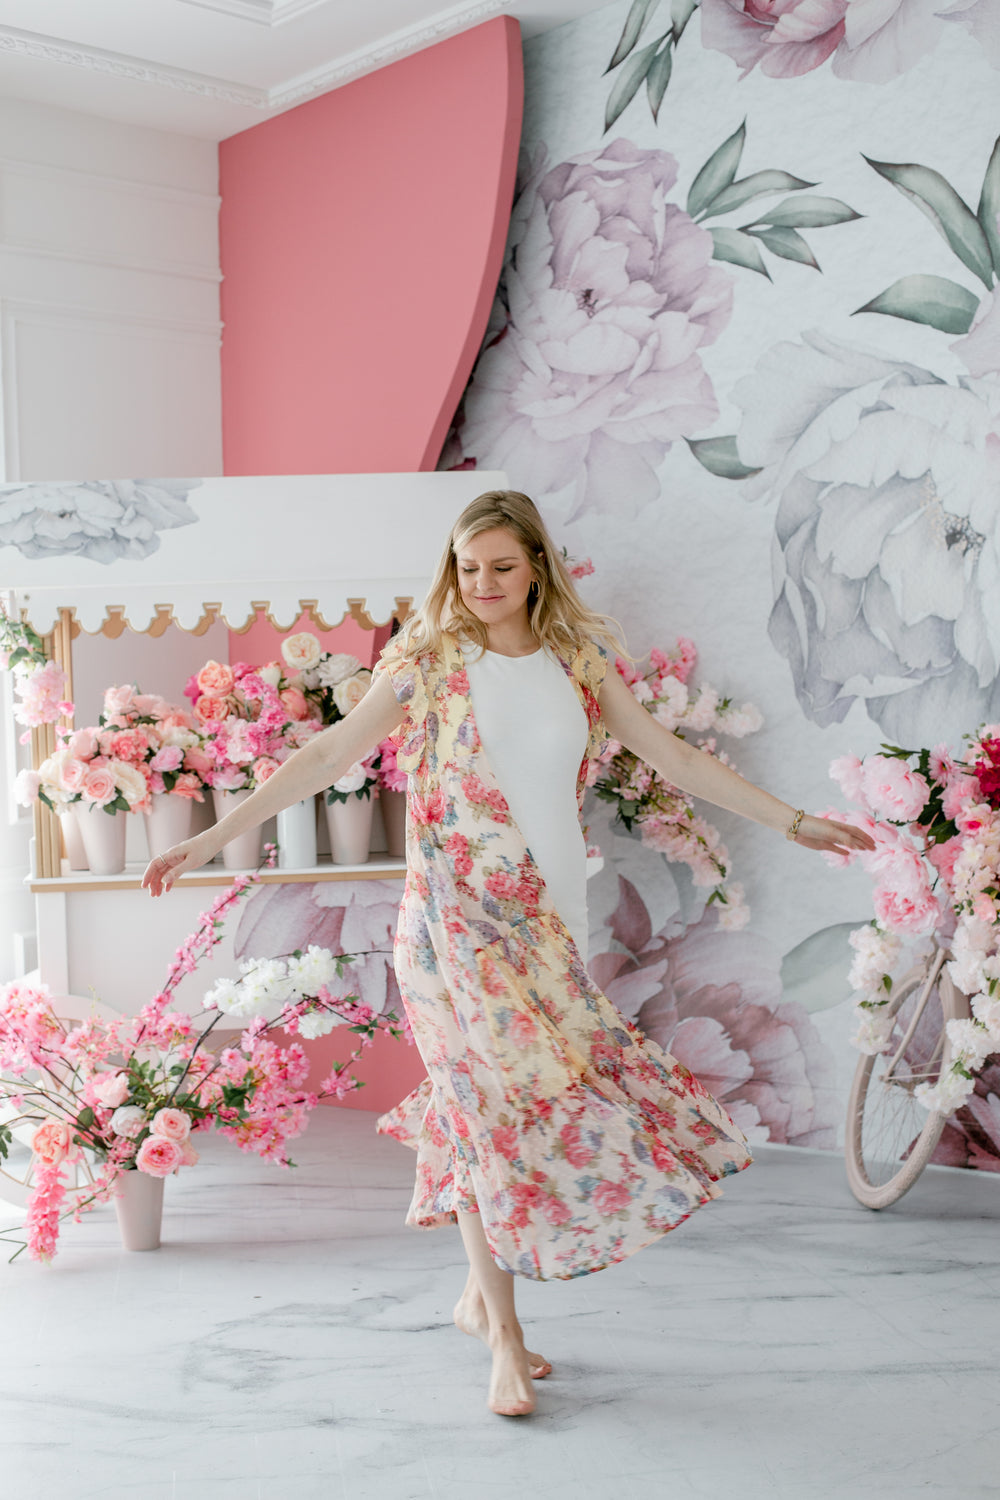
x=577 y=1139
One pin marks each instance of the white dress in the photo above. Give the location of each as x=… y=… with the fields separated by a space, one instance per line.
x=534 y=734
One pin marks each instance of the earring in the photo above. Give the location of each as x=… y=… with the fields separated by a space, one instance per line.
x=533 y=591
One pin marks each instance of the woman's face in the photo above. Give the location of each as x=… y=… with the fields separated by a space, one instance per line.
x=494 y=576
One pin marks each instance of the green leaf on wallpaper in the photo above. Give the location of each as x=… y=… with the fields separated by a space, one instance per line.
x=807 y=212
x=628 y=81
x=717 y=173
x=989 y=205
x=933 y=300
x=719 y=456
x=757 y=185
x=681 y=12
x=814 y=972
x=658 y=77
x=787 y=243
x=951 y=215
x=738 y=249
x=635 y=23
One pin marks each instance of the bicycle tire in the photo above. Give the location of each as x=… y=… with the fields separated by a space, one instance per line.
x=874 y=1182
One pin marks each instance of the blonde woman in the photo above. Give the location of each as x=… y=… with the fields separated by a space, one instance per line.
x=559 y=1138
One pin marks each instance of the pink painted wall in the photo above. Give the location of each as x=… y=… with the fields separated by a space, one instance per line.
x=362 y=236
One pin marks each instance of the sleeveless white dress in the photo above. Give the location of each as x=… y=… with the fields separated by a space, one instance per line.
x=534 y=733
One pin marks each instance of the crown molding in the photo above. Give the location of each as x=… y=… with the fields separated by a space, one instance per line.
x=134 y=69
x=389 y=49
x=263 y=12
x=329 y=75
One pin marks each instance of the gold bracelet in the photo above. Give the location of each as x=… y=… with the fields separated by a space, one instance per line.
x=794 y=828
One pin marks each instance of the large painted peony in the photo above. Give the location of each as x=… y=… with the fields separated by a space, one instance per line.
x=99 y=519
x=887 y=535
x=593 y=368
x=713 y=999
x=870 y=41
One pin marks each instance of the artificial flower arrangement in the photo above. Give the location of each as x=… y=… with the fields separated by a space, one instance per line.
x=249 y=722
x=141 y=745
x=39 y=684
x=935 y=820
x=663 y=816
x=332 y=684
x=132 y=1093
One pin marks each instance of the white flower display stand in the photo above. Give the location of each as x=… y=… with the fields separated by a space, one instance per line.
x=358 y=545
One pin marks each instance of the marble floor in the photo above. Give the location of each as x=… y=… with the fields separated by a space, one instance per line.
x=785 y=1344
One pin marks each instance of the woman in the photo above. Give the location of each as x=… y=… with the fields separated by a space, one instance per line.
x=557 y=1135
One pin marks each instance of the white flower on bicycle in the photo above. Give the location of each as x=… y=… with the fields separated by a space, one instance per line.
x=948 y=1094
x=971 y=1043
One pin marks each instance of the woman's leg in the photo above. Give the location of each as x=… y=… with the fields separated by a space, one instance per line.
x=511 y=1394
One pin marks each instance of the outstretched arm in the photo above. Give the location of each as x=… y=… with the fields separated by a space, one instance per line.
x=316 y=765
x=701 y=775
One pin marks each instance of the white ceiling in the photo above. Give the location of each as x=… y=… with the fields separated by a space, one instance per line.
x=213 y=67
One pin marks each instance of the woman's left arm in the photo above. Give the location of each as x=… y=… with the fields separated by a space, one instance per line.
x=701 y=775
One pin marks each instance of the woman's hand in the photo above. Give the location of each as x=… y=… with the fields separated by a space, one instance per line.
x=832 y=838
x=162 y=871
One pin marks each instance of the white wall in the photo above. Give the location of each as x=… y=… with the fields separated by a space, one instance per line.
x=109 y=332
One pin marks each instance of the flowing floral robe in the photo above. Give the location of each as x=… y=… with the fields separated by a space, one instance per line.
x=577 y=1139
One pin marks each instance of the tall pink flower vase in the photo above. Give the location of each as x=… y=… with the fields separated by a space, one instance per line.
x=76 y=854
x=139 y=1206
x=242 y=853
x=167 y=822
x=103 y=837
x=350 y=827
x=394 y=818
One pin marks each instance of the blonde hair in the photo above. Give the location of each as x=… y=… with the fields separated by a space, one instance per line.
x=557 y=615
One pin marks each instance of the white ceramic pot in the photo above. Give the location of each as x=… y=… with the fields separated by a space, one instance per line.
x=350 y=827
x=76 y=854
x=139 y=1206
x=297 y=836
x=243 y=852
x=168 y=822
x=394 y=818
x=103 y=837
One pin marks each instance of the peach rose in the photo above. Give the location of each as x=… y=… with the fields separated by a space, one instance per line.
x=208 y=708
x=73 y=775
x=188 y=785
x=173 y=1124
x=189 y=1156
x=349 y=693
x=99 y=786
x=215 y=679
x=112 y=1090
x=301 y=651
x=295 y=703
x=158 y=1156
x=196 y=760
x=53 y=1142
x=264 y=768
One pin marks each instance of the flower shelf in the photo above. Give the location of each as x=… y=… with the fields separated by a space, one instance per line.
x=131 y=877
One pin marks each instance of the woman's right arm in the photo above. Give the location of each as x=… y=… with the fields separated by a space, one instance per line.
x=319 y=763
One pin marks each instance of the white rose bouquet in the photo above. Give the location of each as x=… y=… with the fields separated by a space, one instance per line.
x=332 y=682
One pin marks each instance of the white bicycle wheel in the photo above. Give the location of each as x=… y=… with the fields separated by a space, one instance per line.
x=890 y=1135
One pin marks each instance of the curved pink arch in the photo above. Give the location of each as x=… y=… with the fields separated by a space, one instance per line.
x=362 y=236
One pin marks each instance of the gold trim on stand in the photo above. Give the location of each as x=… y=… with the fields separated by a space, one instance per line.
x=318 y=875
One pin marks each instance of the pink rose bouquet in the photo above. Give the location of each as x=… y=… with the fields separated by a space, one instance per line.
x=936 y=867
x=129 y=1094
x=662 y=815
x=251 y=718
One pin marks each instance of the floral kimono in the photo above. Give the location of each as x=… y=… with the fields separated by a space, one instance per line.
x=577 y=1139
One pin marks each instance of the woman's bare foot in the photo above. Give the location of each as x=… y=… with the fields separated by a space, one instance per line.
x=470 y=1317
x=511 y=1394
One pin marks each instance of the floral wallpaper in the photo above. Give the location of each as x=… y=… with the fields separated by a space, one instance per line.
x=745 y=354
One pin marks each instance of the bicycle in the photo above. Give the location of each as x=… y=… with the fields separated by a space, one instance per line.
x=890 y=1135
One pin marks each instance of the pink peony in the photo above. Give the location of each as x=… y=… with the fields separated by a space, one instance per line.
x=128 y=744
x=847 y=772
x=167 y=758
x=26 y=784
x=197 y=760
x=82 y=745
x=786 y=37
x=943 y=857
x=173 y=1124
x=118 y=701
x=903 y=900
x=112 y=1090
x=608 y=296
x=610 y=1197
x=158 y=1156
x=52 y=1142
x=892 y=790
x=215 y=679
x=99 y=786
